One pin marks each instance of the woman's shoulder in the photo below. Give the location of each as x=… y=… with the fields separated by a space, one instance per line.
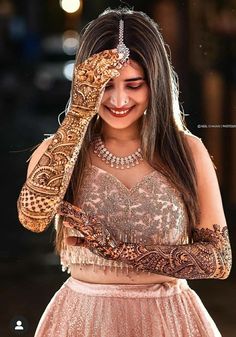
x=194 y=143
x=200 y=153
x=191 y=139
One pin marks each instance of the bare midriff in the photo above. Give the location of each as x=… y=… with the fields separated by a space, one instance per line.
x=93 y=274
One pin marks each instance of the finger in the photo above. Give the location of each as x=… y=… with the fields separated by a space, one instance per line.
x=69 y=211
x=66 y=208
x=119 y=56
x=66 y=224
x=106 y=58
x=73 y=224
x=75 y=241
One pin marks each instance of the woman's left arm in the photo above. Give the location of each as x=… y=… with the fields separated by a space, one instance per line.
x=209 y=256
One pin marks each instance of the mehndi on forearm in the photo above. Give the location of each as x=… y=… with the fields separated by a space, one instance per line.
x=46 y=186
x=209 y=256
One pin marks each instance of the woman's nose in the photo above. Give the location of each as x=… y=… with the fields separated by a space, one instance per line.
x=119 y=99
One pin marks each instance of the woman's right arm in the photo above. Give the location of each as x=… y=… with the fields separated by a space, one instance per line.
x=37 y=154
x=50 y=170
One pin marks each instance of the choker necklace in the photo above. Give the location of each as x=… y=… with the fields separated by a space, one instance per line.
x=114 y=161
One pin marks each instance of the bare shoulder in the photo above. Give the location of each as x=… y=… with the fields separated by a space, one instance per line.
x=37 y=154
x=193 y=141
x=201 y=156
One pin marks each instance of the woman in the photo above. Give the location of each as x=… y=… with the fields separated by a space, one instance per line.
x=127 y=184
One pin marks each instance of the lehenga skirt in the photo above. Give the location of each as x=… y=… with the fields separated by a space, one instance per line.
x=170 y=309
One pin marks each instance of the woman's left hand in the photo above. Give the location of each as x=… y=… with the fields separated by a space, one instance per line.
x=95 y=237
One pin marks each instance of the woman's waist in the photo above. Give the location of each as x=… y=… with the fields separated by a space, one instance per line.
x=93 y=273
x=145 y=290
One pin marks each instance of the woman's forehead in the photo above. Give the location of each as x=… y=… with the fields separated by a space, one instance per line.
x=131 y=70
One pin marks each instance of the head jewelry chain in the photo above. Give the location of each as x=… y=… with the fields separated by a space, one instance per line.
x=121 y=47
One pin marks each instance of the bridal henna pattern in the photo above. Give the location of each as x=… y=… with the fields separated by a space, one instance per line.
x=46 y=186
x=209 y=256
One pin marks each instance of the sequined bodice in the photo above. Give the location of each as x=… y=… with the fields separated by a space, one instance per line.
x=151 y=212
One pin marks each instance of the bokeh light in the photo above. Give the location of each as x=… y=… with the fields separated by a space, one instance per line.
x=68 y=70
x=70 y=6
x=70 y=42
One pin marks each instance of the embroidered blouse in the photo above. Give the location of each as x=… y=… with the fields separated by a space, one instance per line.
x=152 y=212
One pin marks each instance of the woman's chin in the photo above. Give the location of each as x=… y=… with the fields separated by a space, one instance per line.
x=116 y=125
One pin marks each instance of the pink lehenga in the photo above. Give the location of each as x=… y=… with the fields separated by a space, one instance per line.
x=152 y=212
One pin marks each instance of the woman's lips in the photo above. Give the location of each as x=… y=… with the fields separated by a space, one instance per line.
x=119 y=114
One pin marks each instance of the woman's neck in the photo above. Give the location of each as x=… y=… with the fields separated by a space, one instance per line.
x=130 y=134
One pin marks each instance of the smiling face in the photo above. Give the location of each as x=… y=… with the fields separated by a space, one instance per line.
x=125 y=97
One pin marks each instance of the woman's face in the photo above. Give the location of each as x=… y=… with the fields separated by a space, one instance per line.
x=125 y=97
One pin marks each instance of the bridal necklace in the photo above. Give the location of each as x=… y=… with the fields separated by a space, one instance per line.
x=118 y=162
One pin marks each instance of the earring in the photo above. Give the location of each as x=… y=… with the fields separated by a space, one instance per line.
x=145 y=112
x=97 y=117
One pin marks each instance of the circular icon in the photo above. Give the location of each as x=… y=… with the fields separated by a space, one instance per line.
x=19 y=325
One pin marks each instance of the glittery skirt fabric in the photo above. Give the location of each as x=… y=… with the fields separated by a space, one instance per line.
x=170 y=309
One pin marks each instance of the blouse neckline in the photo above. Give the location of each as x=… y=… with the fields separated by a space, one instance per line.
x=120 y=183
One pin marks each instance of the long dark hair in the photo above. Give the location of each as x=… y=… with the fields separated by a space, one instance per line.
x=163 y=129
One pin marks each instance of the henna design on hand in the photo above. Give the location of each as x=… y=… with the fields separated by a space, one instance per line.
x=90 y=78
x=209 y=256
x=46 y=186
x=95 y=234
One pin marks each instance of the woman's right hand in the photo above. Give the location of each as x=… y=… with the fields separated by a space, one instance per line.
x=89 y=80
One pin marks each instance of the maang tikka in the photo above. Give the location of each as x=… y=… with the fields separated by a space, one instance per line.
x=121 y=47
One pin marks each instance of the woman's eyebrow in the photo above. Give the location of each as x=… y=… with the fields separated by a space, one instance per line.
x=134 y=79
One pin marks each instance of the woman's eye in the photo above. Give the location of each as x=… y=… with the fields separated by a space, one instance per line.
x=132 y=87
x=129 y=86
